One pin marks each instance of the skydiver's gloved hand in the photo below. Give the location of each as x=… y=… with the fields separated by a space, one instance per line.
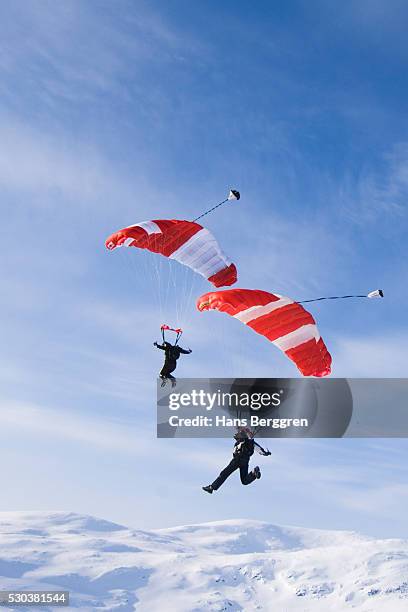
x=261 y=450
x=154 y=343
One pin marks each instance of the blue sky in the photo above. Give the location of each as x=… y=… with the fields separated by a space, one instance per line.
x=111 y=113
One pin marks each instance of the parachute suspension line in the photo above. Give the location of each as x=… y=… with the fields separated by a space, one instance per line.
x=373 y=294
x=157 y=264
x=175 y=291
x=169 y=276
x=182 y=273
x=232 y=357
x=173 y=286
x=188 y=313
x=190 y=290
x=233 y=195
x=162 y=284
x=185 y=282
x=178 y=295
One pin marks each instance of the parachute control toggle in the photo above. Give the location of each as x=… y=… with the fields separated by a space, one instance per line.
x=178 y=331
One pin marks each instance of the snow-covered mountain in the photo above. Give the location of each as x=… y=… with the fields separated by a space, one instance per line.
x=227 y=565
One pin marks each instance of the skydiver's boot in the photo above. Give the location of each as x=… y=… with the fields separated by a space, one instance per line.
x=257 y=472
x=164 y=381
x=173 y=381
x=208 y=489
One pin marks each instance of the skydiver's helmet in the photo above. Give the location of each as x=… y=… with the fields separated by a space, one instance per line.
x=241 y=435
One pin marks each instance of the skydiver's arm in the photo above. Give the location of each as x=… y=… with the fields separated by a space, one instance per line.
x=159 y=346
x=261 y=450
x=184 y=351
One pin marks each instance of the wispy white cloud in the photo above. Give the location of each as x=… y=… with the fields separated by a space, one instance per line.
x=78 y=54
x=291 y=255
x=37 y=420
x=373 y=356
x=109 y=434
x=52 y=167
x=378 y=193
x=383 y=501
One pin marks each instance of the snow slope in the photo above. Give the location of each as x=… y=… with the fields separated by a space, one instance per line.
x=227 y=565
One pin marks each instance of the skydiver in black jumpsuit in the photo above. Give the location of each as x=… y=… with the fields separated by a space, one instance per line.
x=243 y=450
x=172 y=352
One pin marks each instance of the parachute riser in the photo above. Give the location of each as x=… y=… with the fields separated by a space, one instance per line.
x=178 y=333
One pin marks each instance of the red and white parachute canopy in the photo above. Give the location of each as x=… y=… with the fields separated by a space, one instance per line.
x=187 y=242
x=285 y=322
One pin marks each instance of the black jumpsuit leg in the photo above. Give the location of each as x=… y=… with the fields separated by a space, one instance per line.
x=167 y=369
x=243 y=472
x=231 y=467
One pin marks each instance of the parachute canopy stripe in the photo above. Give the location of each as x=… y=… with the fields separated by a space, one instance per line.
x=284 y=322
x=297 y=337
x=201 y=252
x=149 y=226
x=281 y=322
x=254 y=312
x=185 y=241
